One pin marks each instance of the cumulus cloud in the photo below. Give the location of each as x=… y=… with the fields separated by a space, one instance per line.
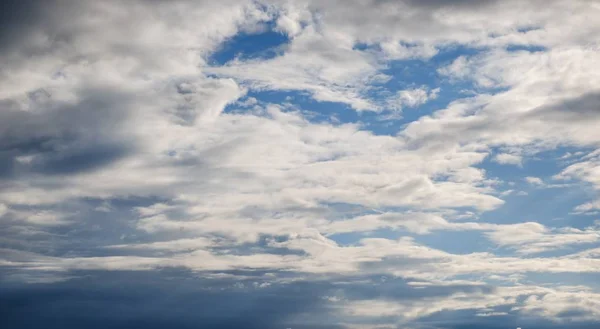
x=412 y=97
x=124 y=146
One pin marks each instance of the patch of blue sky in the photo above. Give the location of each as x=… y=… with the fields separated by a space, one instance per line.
x=405 y=75
x=352 y=238
x=549 y=206
x=543 y=165
x=448 y=53
x=456 y=242
x=412 y=74
x=419 y=73
x=527 y=48
x=565 y=250
x=550 y=203
x=557 y=279
x=316 y=111
x=265 y=44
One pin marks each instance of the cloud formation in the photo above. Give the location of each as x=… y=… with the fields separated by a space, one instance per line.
x=364 y=163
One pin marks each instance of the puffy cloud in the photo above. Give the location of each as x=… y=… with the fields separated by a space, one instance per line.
x=507 y=158
x=534 y=180
x=125 y=147
x=412 y=97
x=534 y=238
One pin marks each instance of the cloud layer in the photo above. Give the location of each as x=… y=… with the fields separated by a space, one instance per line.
x=305 y=164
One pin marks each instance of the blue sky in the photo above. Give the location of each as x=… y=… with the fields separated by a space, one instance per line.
x=308 y=164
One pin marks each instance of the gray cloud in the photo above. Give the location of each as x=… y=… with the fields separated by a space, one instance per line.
x=155 y=300
x=134 y=299
x=18 y=19
x=64 y=138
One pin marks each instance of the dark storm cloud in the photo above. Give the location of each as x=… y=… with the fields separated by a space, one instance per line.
x=180 y=299
x=63 y=138
x=23 y=24
x=85 y=232
x=77 y=160
x=17 y=19
x=167 y=299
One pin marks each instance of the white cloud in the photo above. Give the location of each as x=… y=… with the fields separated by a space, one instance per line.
x=581 y=303
x=588 y=207
x=412 y=97
x=507 y=158
x=125 y=111
x=547 y=303
x=338 y=74
x=532 y=237
x=534 y=180
x=3 y=209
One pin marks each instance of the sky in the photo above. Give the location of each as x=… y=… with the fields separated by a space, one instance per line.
x=300 y=164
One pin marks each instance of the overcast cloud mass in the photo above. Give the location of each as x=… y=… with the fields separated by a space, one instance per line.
x=305 y=164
